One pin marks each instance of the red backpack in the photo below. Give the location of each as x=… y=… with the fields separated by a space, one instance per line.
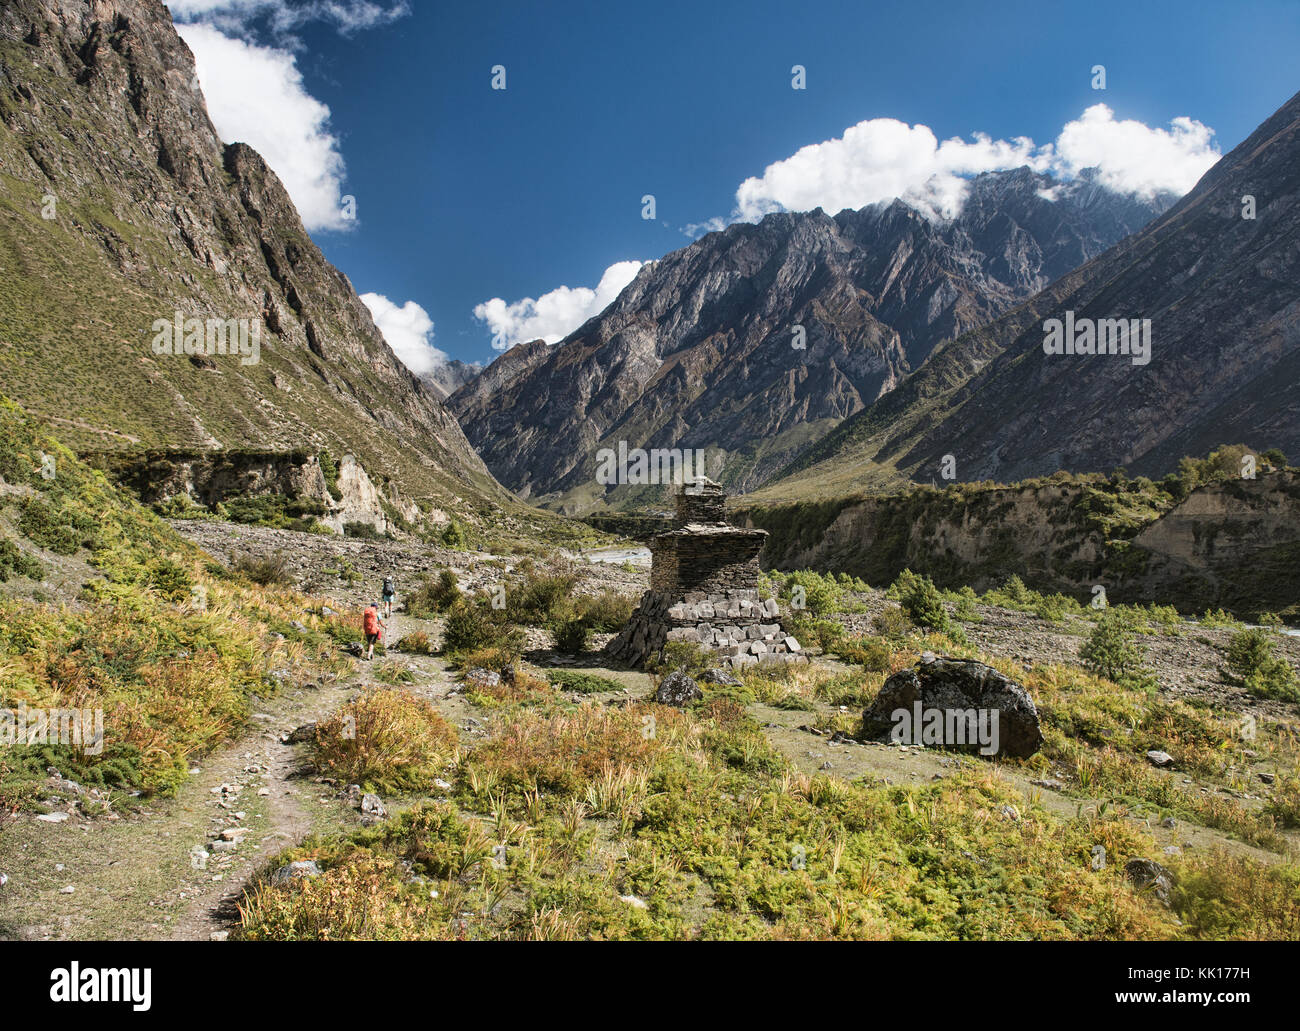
x=370 y=621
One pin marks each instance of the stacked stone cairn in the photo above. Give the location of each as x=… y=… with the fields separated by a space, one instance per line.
x=704 y=589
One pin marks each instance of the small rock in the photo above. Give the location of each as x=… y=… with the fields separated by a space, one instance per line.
x=633 y=901
x=218 y=936
x=1267 y=778
x=52 y=817
x=1161 y=759
x=295 y=870
x=372 y=805
x=1148 y=875
x=68 y=890
x=720 y=676
x=1169 y=823
x=300 y=735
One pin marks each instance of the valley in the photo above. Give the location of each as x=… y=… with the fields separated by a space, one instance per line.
x=910 y=553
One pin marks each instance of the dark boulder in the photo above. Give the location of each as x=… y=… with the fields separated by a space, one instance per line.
x=961 y=705
x=677 y=689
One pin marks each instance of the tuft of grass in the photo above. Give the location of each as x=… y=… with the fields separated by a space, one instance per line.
x=264 y=570
x=387 y=739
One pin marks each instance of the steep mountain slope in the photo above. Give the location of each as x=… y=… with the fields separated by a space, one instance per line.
x=1222 y=292
x=120 y=207
x=699 y=351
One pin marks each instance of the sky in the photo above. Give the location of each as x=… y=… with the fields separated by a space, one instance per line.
x=471 y=217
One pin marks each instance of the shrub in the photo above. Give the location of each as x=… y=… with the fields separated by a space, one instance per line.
x=264 y=570
x=416 y=643
x=454 y=536
x=14 y=563
x=181 y=506
x=821 y=633
x=683 y=655
x=868 y=652
x=892 y=622
x=541 y=598
x=923 y=604
x=63 y=531
x=385 y=740
x=1257 y=668
x=605 y=613
x=571 y=636
x=964 y=606
x=470 y=626
x=1110 y=650
x=499 y=658
x=432 y=596
x=363 y=531
x=169 y=579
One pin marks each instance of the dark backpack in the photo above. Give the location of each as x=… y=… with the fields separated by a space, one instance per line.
x=388 y=585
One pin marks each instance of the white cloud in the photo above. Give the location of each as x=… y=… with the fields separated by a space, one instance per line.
x=1133 y=157
x=255 y=95
x=881 y=158
x=556 y=314
x=238 y=16
x=408 y=330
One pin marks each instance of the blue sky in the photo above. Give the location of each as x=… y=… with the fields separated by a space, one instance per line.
x=465 y=193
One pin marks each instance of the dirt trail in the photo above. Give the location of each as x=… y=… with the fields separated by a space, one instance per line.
x=145 y=875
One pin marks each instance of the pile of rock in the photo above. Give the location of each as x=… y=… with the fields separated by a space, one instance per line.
x=704 y=590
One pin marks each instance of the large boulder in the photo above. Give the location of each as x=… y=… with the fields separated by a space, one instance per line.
x=956 y=704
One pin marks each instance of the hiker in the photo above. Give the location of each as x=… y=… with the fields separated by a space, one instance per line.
x=390 y=589
x=372 y=623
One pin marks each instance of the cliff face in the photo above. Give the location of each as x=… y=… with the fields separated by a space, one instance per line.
x=1220 y=292
x=119 y=208
x=1234 y=544
x=756 y=341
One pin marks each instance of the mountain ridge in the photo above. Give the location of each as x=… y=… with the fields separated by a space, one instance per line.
x=701 y=349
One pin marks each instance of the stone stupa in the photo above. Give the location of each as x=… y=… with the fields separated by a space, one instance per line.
x=704 y=589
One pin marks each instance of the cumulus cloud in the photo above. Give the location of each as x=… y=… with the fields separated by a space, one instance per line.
x=255 y=95
x=881 y=158
x=408 y=330
x=255 y=92
x=1134 y=158
x=556 y=314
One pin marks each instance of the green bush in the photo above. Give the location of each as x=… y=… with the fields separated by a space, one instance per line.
x=892 y=622
x=571 y=636
x=363 y=531
x=605 y=613
x=1256 y=666
x=1110 y=650
x=471 y=626
x=870 y=653
x=923 y=603
x=14 y=563
x=454 y=536
x=432 y=596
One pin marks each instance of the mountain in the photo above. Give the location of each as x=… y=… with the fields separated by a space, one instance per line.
x=699 y=351
x=119 y=208
x=1222 y=293
x=449 y=376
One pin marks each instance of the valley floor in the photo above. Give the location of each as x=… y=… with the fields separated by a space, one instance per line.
x=690 y=833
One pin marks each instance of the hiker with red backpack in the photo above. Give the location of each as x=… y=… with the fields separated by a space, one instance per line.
x=372 y=625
